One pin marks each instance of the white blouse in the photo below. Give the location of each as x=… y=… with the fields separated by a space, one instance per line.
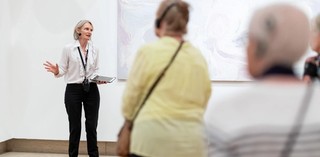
x=71 y=66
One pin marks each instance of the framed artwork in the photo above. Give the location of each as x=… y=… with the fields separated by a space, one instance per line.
x=217 y=27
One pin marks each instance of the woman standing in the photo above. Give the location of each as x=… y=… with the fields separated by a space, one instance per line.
x=170 y=124
x=79 y=63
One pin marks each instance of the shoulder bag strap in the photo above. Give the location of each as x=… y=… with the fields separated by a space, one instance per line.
x=298 y=123
x=158 y=80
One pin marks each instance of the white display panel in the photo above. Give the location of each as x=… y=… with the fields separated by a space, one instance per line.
x=217 y=27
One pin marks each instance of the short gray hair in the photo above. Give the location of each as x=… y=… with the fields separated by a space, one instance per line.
x=281 y=32
x=78 y=27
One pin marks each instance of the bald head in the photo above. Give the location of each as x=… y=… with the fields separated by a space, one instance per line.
x=278 y=35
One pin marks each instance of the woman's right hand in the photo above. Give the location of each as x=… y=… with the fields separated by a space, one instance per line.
x=51 y=67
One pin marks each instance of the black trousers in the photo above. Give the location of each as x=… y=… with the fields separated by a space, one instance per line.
x=75 y=98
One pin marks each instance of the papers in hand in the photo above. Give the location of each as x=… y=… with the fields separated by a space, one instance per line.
x=103 y=78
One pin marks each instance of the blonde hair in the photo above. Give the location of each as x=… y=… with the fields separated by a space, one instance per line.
x=176 y=17
x=78 y=27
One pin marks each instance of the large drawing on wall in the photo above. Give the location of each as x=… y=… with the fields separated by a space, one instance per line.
x=217 y=27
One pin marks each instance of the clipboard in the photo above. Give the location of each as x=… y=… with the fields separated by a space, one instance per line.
x=103 y=78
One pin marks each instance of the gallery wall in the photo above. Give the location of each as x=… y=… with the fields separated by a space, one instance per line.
x=34 y=31
x=5 y=108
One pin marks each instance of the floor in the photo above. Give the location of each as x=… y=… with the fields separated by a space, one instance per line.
x=15 y=154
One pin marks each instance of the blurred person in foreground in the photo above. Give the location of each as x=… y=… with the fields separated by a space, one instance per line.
x=170 y=124
x=278 y=116
x=312 y=64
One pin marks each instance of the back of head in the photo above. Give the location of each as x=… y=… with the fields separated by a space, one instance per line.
x=281 y=34
x=175 y=13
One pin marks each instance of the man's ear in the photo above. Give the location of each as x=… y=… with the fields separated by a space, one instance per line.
x=261 y=48
x=255 y=60
x=251 y=47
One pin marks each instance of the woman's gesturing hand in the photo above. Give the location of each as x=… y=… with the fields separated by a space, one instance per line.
x=51 y=67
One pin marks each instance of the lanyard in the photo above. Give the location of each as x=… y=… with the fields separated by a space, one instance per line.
x=84 y=64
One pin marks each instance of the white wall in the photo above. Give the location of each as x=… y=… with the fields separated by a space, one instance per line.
x=32 y=104
x=36 y=30
x=5 y=107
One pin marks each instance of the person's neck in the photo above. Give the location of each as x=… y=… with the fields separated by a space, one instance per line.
x=279 y=73
x=176 y=36
x=83 y=43
x=179 y=38
x=278 y=70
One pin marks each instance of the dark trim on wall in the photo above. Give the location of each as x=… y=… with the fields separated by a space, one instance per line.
x=3 y=147
x=51 y=146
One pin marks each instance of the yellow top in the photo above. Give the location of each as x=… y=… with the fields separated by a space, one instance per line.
x=170 y=123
